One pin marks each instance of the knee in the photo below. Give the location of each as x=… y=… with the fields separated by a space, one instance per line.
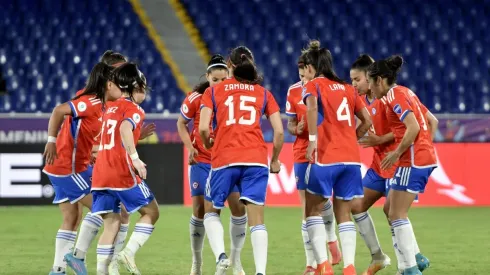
x=124 y=217
x=198 y=211
x=238 y=209
x=357 y=207
x=71 y=221
x=386 y=210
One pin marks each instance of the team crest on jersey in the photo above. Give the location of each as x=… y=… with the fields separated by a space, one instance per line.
x=195 y=185
x=288 y=106
x=136 y=118
x=90 y=179
x=373 y=111
x=297 y=179
x=81 y=106
x=397 y=109
x=185 y=109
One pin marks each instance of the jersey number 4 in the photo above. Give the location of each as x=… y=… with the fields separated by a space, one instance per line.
x=343 y=112
x=111 y=126
x=243 y=107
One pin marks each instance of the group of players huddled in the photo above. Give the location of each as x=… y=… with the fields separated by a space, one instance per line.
x=229 y=161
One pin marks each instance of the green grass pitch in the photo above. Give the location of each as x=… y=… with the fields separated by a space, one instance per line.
x=456 y=240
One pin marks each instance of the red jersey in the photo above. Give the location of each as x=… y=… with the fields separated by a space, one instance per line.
x=337 y=104
x=191 y=110
x=401 y=101
x=296 y=108
x=380 y=127
x=77 y=136
x=238 y=108
x=114 y=169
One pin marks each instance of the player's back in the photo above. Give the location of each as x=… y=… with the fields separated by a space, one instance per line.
x=421 y=153
x=114 y=167
x=191 y=111
x=337 y=140
x=380 y=127
x=238 y=108
x=77 y=136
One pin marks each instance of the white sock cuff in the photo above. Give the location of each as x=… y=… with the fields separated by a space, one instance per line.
x=144 y=228
x=347 y=226
x=314 y=220
x=211 y=215
x=400 y=223
x=327 y=205
x=360 y=217
x=124 y=227
x=105 y=249
x=303 y=226
x=94 y=220
x=257 y=228
x=66 y=235
x=239 y=220
x=196 y=221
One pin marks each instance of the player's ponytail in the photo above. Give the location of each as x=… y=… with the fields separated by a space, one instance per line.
x=387 y=68
x=362 y=62
x=97 y=81
x=129 y=79
x=217 y=62
x=244 y=68
x=112 y=58
x=321 y=59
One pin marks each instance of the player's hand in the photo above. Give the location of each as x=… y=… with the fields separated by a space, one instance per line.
x=370 y=140
x=208 y=145
x=275 y=167
x=309 y=151
x=301 y=126
x=192 y=154
x=147 y=130
x=50 y=152
x=93 y=158
x=390 y=159
x=140 y=167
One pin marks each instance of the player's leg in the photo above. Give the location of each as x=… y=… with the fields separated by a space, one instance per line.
x=253 y=187
x=347 y=185
x=300 y=173
x=89 y=228
x=330 y=227
x=238 y=230
x=319 y=188
x=66 y=235
x=408 y=182
x=141 y=199
x=198 y=174
x=374 y=189
x=123 y=231
x=218 y=188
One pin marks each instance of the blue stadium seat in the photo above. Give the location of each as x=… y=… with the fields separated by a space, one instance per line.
x=441 y=41
x=48 y=49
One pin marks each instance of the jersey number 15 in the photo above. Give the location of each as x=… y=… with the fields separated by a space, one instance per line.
x=243 y=107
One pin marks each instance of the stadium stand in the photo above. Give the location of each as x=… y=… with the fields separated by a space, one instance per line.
x=48 y=48
x=443 y=42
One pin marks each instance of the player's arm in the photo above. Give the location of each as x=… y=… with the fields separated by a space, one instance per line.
x=366 y=122
x=278 y=141
x=363 y=115
x=292 y=124
x=183 y=131
x=433 y=123
x=126 y=131
x=204 y=121
x=55 y=121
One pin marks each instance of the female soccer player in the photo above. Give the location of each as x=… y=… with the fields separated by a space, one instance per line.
x=91 y=224
x=337 y=160
x=376 y=181
x=200 y=159
x=296 y=112
x=68 y=156
x=119 y=173
x=414 y=151
x=239 y=155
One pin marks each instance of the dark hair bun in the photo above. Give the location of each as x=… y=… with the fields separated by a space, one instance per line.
x=362 y=62
x=217 y=59
x=394 y=63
